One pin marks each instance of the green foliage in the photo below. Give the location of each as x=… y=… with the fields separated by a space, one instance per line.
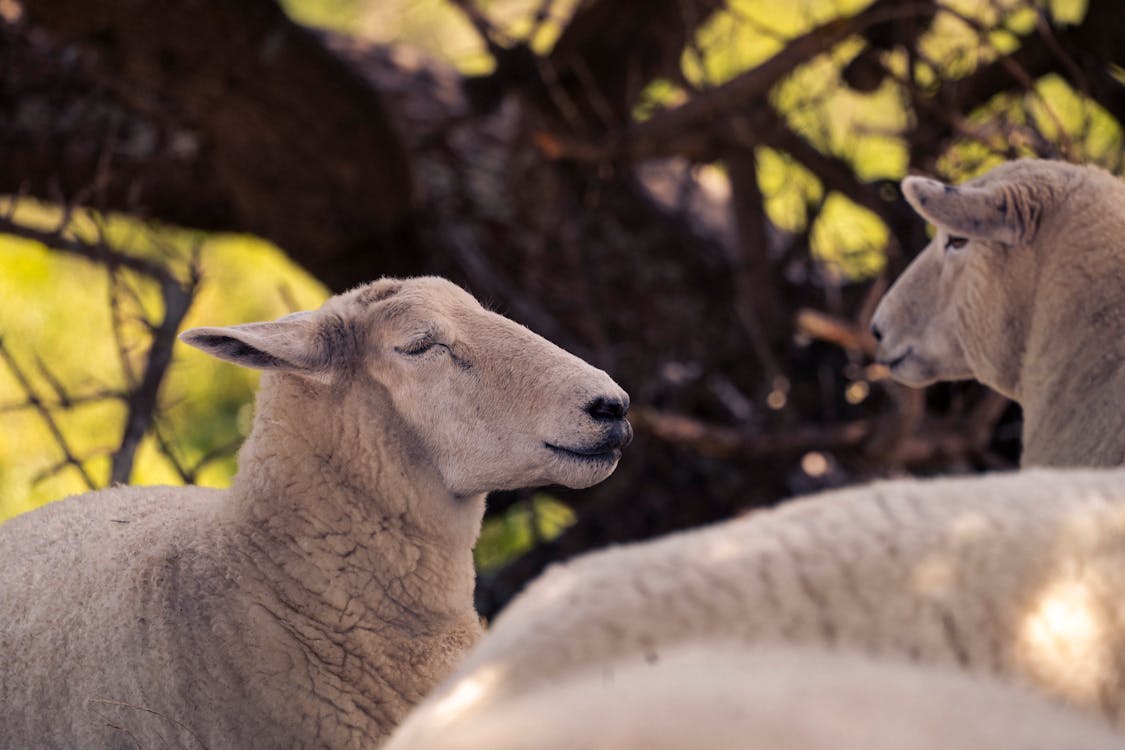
x=507 y=536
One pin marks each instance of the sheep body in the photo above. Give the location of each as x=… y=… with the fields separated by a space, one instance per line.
x=1022 y=289
x=724 y=696
x=1016 y=575
x=319 y=598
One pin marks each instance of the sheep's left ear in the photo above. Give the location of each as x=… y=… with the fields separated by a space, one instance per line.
x=300 y=344
x=996 y=213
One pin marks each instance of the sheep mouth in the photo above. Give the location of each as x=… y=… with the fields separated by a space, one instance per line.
x=596 y=453
x=891 y=364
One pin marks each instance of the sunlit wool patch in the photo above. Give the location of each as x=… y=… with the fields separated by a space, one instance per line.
x=1063 y=640
x=469 y=694
x=935 y=576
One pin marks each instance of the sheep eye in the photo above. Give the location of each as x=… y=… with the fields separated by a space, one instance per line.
x=421 y=346
x=955 y=243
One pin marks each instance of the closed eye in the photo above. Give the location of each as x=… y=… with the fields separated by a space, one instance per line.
x=421 y=346
x=955 y=243
x=427 y=343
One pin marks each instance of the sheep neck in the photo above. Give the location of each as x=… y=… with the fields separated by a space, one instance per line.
x=347 y=533
x=1074 y=374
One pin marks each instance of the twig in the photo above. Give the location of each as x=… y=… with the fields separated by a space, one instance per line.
x=721 y=441
x=843 y=333
x=67 y=401
x=35 y=401
x=165 y=447
x=95 y=251
x=190 y=474
x=142 y=401
x=63 y=397
x=1018 y=72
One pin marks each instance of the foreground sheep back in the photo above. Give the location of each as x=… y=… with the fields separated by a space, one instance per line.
x=723 y=696
x=1022 y=288
x=1011 y=575
x=318 y=599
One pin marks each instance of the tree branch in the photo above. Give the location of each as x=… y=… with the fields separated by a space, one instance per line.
x=714 y=105
x=98 y=252
x=142 y=400
x=720 y=441
x=605 y=57
x=36 y=402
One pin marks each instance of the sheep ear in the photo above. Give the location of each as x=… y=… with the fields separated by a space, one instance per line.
x=292 y=344
x=979 y=213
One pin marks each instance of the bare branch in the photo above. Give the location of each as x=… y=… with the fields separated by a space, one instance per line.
x=721 y=102
x=99 y=252
x=69 y=458
x=721 y=441
x=67 y=402
x=843 y=333
x=142 y=402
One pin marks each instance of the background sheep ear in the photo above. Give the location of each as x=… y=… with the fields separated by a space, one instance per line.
x=290 y=344
x=978 y=213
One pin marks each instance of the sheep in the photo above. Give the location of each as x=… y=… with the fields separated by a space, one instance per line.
x=724 y=696
x=1013 y=575
x=1022 y=289
x=322 y=595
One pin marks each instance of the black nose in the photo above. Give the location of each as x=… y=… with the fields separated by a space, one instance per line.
x=608 y=409
x=876 y=332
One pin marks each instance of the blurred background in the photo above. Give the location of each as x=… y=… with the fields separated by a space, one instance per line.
x=699 y=196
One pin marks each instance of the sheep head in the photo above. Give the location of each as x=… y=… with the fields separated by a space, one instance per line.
x=963 y=308
x=480 y=400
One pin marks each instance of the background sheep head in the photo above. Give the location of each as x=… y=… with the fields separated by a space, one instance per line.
x=478 y=399
x=966 y=306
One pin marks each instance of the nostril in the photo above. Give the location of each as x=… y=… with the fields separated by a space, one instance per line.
x=608 y=409
x=876 y=332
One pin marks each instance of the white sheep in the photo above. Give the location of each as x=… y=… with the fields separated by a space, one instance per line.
x=723 y=696
x=1022 y=288
x=1013 y=575
x=322 y=595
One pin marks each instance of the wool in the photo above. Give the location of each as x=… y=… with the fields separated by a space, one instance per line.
x=318 y=599
x=1031 y=303
x=1012 y=576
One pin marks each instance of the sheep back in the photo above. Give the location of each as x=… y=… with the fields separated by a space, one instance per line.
x=727 y=696
x=105 y=582
x=1016 y=575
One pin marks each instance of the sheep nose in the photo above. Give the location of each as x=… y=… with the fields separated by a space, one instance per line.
x=876 y=333
x=608 y=409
